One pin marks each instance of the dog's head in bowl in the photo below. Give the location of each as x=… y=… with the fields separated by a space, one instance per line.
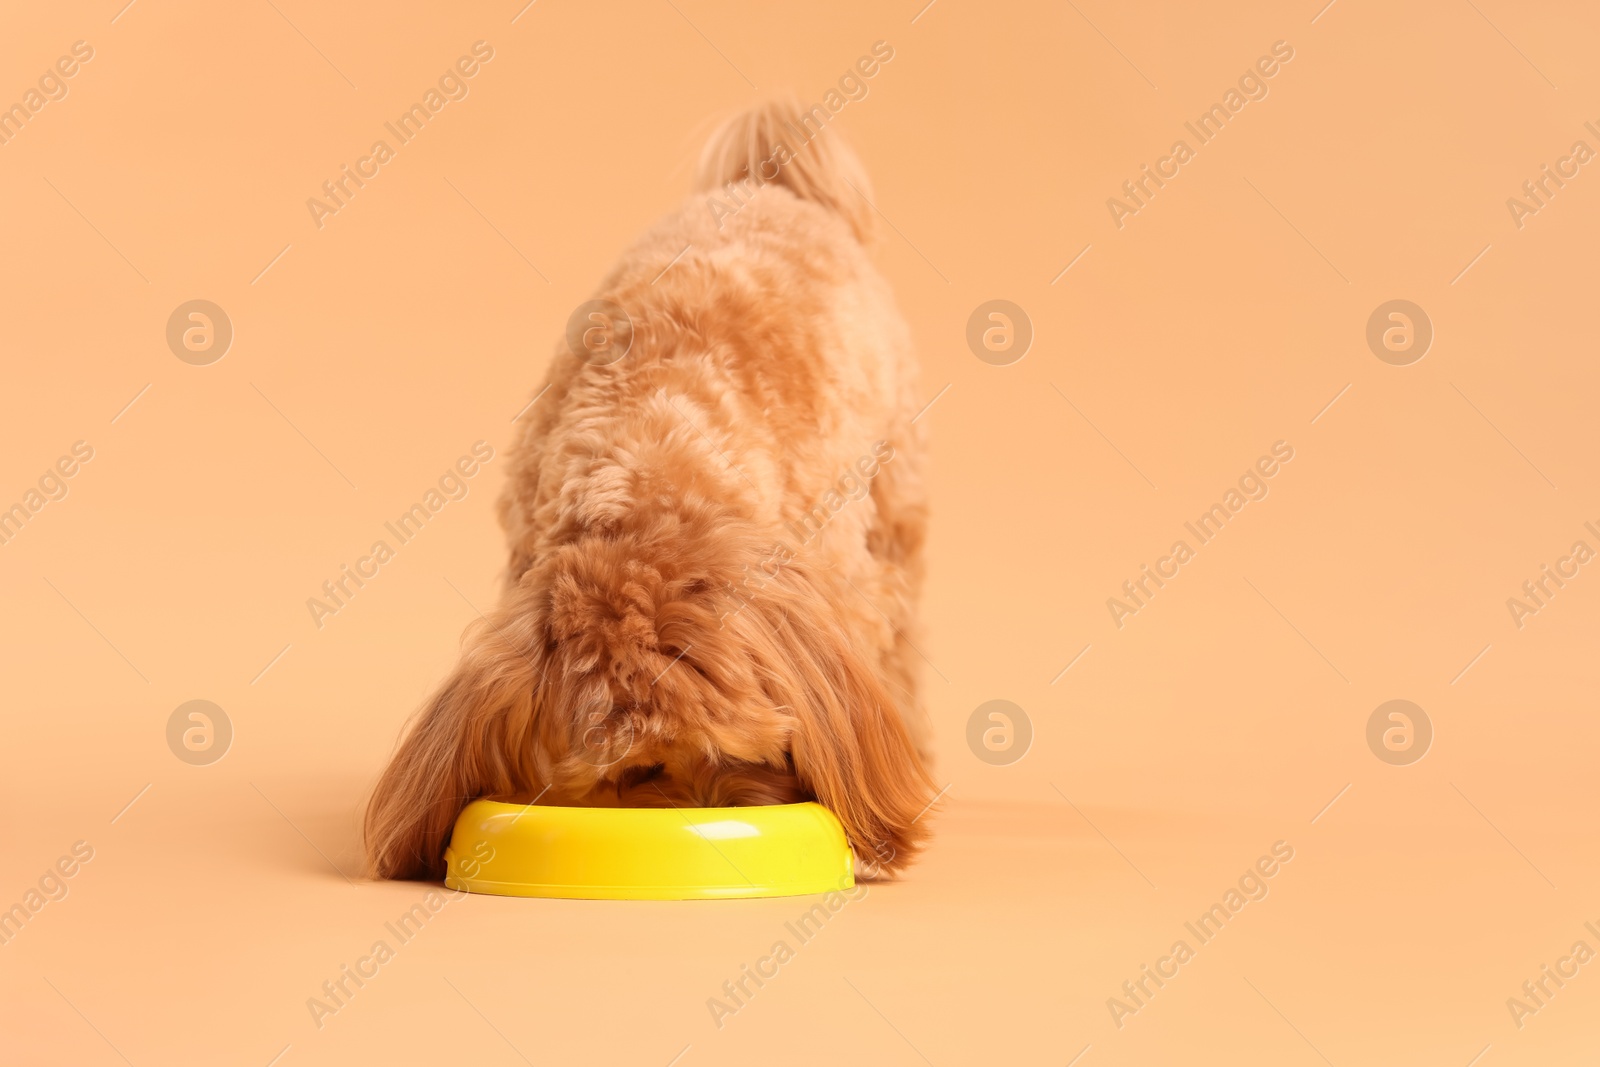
x=715 y=538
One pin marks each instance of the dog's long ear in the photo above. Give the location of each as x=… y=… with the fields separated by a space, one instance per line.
x=850 y=745
x=473 y=738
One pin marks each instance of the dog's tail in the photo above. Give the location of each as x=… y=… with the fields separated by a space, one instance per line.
x=781 y=142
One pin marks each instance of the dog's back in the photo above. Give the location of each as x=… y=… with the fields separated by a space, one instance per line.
x=756 y=321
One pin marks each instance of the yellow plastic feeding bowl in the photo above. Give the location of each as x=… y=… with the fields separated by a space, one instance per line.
x=526 y=850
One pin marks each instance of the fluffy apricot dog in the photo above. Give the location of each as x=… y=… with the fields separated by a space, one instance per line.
x=715 y=513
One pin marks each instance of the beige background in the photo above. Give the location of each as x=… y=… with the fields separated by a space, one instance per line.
x=1226 y=716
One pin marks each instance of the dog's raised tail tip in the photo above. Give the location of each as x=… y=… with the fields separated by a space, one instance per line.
x=783 y=142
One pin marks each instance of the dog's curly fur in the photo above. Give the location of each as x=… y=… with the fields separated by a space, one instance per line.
x=664 y=637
